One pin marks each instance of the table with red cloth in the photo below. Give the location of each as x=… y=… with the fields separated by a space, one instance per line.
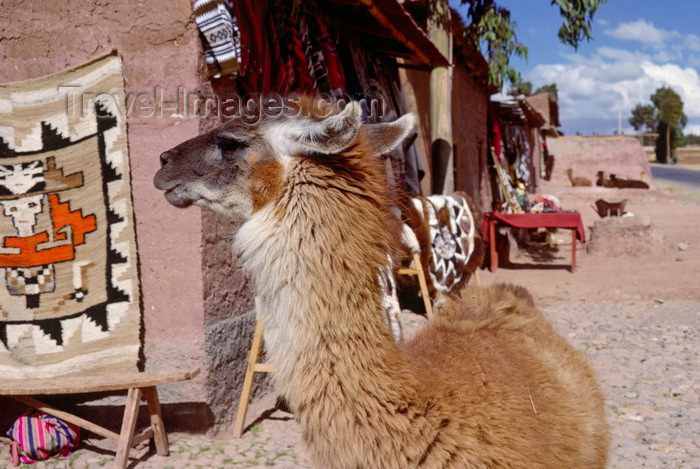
x=565 y=220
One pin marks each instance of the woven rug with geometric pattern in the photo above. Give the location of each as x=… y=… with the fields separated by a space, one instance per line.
x=69 y=286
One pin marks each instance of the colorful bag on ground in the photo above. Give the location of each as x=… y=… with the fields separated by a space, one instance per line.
x=37 y=436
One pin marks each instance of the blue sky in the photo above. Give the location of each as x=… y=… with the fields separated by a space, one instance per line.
x=637 y=47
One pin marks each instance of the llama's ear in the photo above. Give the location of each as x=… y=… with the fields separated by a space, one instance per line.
x=382 y=138
x=333 y=134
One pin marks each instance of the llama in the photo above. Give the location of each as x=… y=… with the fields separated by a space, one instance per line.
x=488 y=384
x=578 y=181
x=624 y=183
x=603 y=181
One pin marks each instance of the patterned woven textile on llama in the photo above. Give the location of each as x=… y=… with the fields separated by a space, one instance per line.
x=449 y=224
x=69 y=288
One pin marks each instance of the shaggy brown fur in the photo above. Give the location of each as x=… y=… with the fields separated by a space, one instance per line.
x=489 y=385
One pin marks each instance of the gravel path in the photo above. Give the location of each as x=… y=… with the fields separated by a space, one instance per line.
x=644 y=352
x=646 y=355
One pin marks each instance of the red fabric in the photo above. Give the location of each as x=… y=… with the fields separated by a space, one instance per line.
x=262 y=67
x=497 y=140
x=494 y=133
x=568 y=220
x=336 y=76
x=297 y=63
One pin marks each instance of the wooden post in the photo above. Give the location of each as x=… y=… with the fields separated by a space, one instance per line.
x=573 y=250
x=492 y=244
x=441 y=100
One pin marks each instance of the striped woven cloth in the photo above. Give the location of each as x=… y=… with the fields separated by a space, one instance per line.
x=37 y=436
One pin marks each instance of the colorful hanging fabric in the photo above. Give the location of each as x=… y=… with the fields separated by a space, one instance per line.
x=314 y=53
x=334 y=69
x=263 y=68
x=297 y=76
x=220 y=36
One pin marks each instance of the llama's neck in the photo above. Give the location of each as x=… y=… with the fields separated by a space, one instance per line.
x=315 y=257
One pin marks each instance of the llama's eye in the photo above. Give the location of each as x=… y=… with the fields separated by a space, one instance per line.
x=229 y=148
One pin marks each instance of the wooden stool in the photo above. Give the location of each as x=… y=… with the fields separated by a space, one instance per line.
x=138 y=386
x=256 y=347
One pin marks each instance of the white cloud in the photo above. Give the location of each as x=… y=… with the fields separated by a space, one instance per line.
x=692 y=129
x=612 y=80
x=642 y=31
x=692 y=42
x=685 y=81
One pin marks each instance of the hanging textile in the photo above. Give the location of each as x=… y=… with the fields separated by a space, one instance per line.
x=334 y=69
x=524 y=160
x=262 y=64
x=314 y=53
x=494 y=129
x=297 y=76
x=220 y=35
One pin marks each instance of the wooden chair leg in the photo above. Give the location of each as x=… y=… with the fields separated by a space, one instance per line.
x=160 y=438
x=423 y=285
x=253 y=356
x=126 y=436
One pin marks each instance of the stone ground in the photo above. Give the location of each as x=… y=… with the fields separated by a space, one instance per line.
x=637 y=318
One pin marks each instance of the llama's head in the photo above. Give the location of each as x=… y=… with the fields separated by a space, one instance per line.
x=241 y=167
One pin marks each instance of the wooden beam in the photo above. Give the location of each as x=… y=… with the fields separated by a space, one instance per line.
x=93 y=383
x=441 y=100
x=386 y=22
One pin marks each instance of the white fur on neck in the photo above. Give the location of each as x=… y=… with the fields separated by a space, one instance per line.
x=269 y=257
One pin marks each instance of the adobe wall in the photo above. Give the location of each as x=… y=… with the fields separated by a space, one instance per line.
x=470 y=138
x=160 y=48
x=469 y=131
x=416 y=87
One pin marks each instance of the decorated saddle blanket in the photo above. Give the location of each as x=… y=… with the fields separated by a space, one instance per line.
x=455 y=246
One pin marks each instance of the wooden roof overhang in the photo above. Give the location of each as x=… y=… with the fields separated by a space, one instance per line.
x=385 y=26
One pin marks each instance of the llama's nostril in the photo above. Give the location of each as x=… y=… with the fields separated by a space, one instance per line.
x=164 y=157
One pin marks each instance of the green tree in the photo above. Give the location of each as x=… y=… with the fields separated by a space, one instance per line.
x=671 y=119
x=492 y=31
x=550 y=88
x=643 y=118
x=523 y=87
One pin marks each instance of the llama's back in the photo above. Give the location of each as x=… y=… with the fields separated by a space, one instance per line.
x=525 y=397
